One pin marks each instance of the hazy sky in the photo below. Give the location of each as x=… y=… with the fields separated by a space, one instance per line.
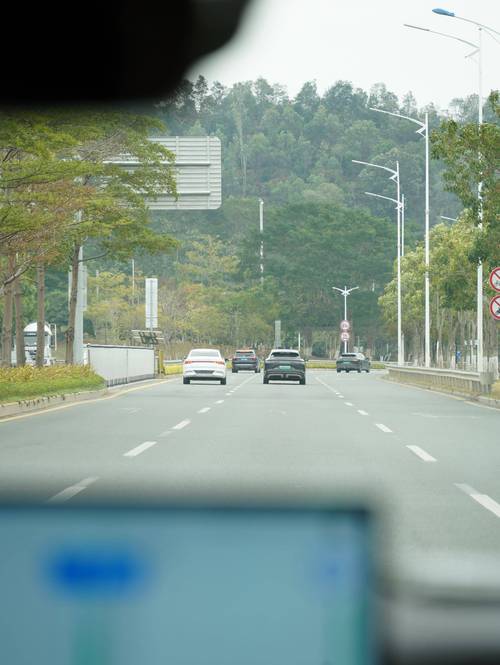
x=363 y=41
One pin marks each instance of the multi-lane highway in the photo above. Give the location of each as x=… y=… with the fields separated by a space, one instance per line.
x=433 y=460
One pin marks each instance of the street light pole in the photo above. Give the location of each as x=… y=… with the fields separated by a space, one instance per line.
x=345 y=292
x=396 y=178
x=477 y=49
x=261 y=227
x=423 y=131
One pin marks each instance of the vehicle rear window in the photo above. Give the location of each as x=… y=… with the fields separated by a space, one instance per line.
x=349 y=355
x=204 y=353
x=284 y=354
x=244 y=353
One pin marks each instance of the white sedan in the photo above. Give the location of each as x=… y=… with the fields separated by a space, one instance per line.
x=204 y=365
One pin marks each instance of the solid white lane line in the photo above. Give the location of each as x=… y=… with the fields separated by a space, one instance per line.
x=421 y=453
x=483 y=499
x=348 y=403
x=383 y=427
x=204 y=410
x=182 y=424
x=326 y=385
x=140 y=449
x=219 y=401
x=71 y=491
x=362 y=413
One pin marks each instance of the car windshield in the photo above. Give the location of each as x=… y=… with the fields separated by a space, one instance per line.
x=273 y=281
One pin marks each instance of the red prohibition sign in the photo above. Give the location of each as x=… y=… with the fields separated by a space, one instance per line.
x=495 y=279
x=495 y=307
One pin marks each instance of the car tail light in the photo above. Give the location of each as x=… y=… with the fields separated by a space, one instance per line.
x=188 y=362
x=220 y=362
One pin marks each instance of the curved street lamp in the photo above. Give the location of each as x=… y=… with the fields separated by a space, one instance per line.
x=395 y=178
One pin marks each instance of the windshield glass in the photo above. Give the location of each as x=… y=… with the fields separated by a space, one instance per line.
x=275 y=280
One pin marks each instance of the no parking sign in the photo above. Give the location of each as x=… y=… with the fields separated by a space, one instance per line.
x=495 y=279
x=495 y=307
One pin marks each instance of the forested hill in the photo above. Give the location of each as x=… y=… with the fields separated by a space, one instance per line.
x=296 y=154
x=320 y=229
x=295 y=150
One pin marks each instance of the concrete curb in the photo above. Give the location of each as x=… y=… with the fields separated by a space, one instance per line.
x=49 y=401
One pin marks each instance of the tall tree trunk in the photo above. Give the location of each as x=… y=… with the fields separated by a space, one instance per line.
x=18 y=302
x=7 y=319
x=40 y=319
x=70 y=332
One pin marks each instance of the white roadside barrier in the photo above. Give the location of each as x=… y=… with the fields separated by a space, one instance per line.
x=121 y=364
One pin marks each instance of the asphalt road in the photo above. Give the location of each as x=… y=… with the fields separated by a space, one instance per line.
x=429 y=462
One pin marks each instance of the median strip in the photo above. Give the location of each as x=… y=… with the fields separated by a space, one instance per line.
x=140 y=449
x=72 y=491
x=483 y=499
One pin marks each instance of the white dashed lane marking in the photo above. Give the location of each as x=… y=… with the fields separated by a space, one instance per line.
x=421 y=453
x=219 y=401
x=140 y=449
x=204 y=410
x=348 y=403
x=71 y=491
x=483 y=499
x=383 y=427
x=362 y=413
x=182 y=424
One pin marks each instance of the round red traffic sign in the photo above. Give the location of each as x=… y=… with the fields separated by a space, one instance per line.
x=495 y=279
x=344 y=336
x=345 y=325
x=495 y=307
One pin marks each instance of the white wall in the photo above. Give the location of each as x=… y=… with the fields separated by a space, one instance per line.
x=121 y=364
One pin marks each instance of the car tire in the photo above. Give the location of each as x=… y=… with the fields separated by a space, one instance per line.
x=302 y=382
x=367 y=371
x=223 y=382
x=347 y=371
x=338 y=371
x=186 y=382
x=234 y=371
x=266 y=381
x=359 y=371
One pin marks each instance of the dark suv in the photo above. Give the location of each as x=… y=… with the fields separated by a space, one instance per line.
x=245 y=359
x=353 y=362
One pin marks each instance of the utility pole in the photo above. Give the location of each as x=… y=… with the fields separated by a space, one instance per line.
x=261 y=227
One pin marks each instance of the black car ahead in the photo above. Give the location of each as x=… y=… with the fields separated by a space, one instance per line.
x=353 y=362
x=245 y=359
x=285 y=365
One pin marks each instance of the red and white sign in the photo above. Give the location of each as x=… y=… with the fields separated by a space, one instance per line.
x=345 y=325
x=495 y=279
x=495 y=307
x=344 y=336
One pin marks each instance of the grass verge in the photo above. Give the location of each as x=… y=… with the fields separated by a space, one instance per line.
x=172 y=369
x=24 y=383
x=495 y=390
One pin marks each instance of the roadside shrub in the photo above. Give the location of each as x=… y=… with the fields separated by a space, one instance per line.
x=18 y=383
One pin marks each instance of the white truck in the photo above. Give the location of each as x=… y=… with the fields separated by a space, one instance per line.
x=30 y=344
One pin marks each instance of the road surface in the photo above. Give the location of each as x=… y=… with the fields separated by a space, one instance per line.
x=429 y=462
